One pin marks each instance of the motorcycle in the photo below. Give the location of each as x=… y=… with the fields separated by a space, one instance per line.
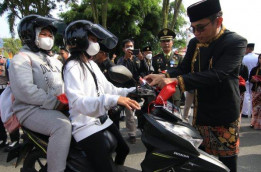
x=171 y=143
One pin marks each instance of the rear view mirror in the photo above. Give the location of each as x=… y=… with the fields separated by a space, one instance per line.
x=120 y=74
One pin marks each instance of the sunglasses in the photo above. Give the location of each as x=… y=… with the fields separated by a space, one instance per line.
x=198 y=28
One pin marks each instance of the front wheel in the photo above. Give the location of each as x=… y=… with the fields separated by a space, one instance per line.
x=35 y=161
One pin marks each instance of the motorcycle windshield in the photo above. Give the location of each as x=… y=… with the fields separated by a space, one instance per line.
x=181 y=131
x=58 y=25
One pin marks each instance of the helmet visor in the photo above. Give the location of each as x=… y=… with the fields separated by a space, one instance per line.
x=108 y=39
x=56 y=25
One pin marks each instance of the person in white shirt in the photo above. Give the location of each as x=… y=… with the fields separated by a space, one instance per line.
x=91 y=95
x=250 y=60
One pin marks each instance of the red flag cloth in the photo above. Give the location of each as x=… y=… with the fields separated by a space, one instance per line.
x=242 y=82
x=62 y=98
x=257 y=77
x=166 y=93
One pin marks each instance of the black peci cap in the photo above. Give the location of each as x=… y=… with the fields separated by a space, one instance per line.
x=203 y=9
x=251 y=45
x=166 y=34
x=147 y=48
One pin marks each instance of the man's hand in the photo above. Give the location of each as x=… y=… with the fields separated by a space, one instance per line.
x=165 y=81
x=62 y=107
x=254 y=79
x=128 y=103
x=154 y=79
x=128 y=54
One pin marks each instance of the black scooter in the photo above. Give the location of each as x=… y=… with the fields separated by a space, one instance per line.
x=171 y=143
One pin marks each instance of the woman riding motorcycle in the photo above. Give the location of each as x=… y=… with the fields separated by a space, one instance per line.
x=91 y=95
x=36 y=82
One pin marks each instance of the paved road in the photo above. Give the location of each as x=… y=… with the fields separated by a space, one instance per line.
x=249 y=157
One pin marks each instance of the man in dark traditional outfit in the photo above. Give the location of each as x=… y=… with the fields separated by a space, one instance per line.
x=211 y=67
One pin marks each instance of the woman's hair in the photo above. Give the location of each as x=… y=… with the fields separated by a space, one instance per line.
x=79 y=56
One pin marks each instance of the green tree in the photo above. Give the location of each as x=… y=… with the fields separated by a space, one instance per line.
x=177 y=5
x=165 y=13
x=20 y=8
x=138 y=20
x=176 y=15
x=12 y=45
x=135 y=19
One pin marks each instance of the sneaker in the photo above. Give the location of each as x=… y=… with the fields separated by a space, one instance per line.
x=132 y=139
x=3 y=143
x=11 y=145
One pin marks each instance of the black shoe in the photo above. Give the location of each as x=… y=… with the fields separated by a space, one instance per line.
x=244 y=116
x=132 y=139
x=3 y=143
x=11 y=146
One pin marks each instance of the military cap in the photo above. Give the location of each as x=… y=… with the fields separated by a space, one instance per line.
x=147 y=48
x=166 y=34
x=203 y=9
x=250 y=45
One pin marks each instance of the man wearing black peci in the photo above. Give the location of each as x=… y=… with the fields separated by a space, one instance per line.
x=211 y=68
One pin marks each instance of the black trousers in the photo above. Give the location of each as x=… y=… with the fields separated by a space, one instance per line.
x=230 y=162
x=100 y=157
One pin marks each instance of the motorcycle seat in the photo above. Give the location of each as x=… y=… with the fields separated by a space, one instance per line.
x=39 y=139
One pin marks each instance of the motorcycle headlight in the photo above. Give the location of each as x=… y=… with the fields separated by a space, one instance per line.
x=181 y=131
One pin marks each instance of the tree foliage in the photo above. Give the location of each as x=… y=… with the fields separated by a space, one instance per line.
x=12 y=45
x=134 y=19
x=20 y=8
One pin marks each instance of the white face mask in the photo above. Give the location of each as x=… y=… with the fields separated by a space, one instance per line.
x=149 y=56
x=45 y=43
x=130 y=48
x=93 y=48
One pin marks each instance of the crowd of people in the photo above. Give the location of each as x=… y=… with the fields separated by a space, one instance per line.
x=220 y=75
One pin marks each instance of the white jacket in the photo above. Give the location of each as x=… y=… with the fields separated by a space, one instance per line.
x=84 y=103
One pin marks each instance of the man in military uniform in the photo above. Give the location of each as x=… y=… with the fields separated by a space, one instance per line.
x=211 y=68
x=167 y=59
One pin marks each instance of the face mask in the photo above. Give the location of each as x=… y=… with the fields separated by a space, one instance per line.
x=45 y=43
x=130 y=48
x=149 y=56
x=93 y=48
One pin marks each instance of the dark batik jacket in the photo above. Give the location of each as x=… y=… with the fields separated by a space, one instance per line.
x=212 y=70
